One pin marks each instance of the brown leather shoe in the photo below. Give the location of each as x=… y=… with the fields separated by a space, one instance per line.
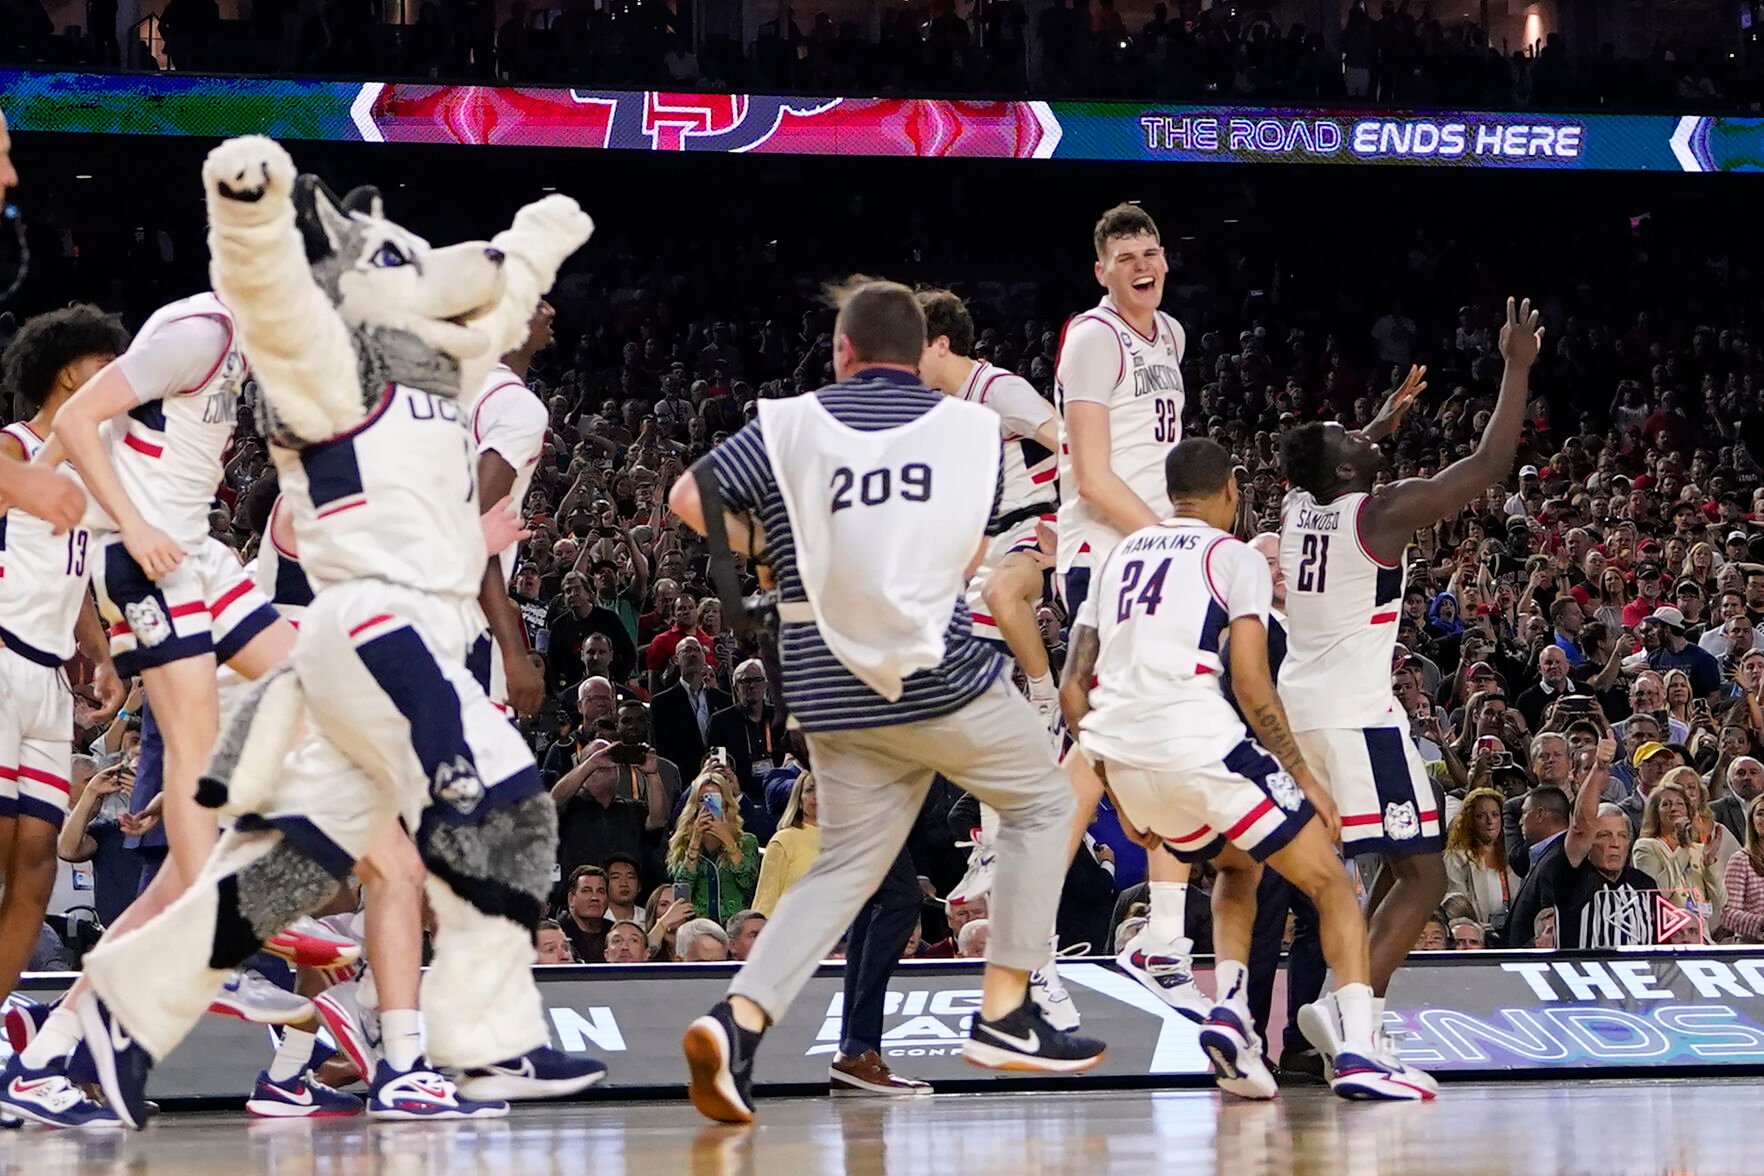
x=869 y=1074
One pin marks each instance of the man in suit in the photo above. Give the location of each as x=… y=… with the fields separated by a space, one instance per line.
x=755 y=738
x=681 y=714
x=1745 y=781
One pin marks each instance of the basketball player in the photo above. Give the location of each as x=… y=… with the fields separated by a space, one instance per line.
x=873 y=497
x=1003 y=594
x=1179 y=763
x=1343 y=539
x=508 y=429
x=43 y=601
x=1118 y=384
x=147 y=434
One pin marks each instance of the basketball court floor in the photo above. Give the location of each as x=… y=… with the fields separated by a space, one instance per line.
x=1602 y=1128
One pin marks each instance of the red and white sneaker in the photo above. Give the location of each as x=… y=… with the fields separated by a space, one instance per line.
x=310 y=944
x=1166 y=970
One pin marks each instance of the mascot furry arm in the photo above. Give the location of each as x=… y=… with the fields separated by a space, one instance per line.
x=322 y=323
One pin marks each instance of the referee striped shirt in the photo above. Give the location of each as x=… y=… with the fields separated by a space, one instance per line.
x=819 y=690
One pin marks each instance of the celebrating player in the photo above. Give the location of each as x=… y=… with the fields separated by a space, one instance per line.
x=1177 y=760
x=1003 y=594
x=1119 y=388
x=43 y=598
x=1343 y=540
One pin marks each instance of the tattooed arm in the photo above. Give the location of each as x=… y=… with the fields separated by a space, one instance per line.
x=1081 y=653
x=1253 y=686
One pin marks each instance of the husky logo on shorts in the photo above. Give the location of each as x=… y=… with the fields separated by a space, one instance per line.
x=458 y=784
x=1285 y=791
x=148 y=622
x=1401 y=821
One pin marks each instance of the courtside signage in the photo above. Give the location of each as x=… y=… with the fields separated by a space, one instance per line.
x=637 y=120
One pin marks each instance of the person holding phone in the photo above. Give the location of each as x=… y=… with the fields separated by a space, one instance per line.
x=710 y=854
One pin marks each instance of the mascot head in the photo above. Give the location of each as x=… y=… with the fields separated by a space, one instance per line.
x=413 y=305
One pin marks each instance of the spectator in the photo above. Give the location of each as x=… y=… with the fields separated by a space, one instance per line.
x=1682 y=868
x=576 y=616
x=594 y=705
x=750 y=730
x=1476 y=860
x=743 y=928
x=584 y=920
x=971 y=943
x=959 y=915
x=666 y=910
x=1651 y=762
x=1553 y=683
x=1743 y=882
x=682 y=713
x=701 y=941
x=1434 y=934
x=597 y=816
x=1675 y=652
x=95 y=831
x=625 y=943
x=663 y=648
x=624 y=884
x=1600 y=899
x=1745 y=783
x=710 y=853
x=793 y=848
x=552 y=945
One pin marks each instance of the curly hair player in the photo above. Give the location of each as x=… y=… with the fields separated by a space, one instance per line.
x=1342 y=543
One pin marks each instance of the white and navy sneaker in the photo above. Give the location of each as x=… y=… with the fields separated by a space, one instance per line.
x=1024 y=1040
x=422 y=1093
x=249 y=997
x=49 y=1097
x=300 y=1097
x=23 y=1019
x=122 y=1064
x=1167 y=972
x=1384 y=1048
x=1049 y=993
x=982 y=864
x=719 y=1055
x=1236 y=1053
x=1320 y=1022
x=538 y=1073
x=1367 y=1079
x=353 y=1025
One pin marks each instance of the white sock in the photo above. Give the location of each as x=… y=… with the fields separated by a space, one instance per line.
x=292 y=1054
x=1232 y=980
x=1169 y=909
x=1043 y=687
x=1353 y=1003
x=55 y=1040
x=401 y=1037
x=1377 y=1018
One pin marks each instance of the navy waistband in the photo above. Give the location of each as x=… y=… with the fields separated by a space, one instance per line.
x=29 y=652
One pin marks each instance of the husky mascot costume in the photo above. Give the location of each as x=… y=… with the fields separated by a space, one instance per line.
x=362 y=338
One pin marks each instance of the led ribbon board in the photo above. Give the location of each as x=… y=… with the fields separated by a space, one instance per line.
x=407 y=112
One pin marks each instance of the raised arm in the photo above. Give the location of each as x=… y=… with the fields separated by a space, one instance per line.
x=1577 y=842
x=258 y=264
x=1395 y=513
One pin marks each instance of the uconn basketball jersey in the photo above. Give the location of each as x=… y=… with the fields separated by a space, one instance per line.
x=508 y=419
x=1342 y=607
x=42 y=576
x=1162 y=602
x=167 y=451
x=279 y=572
x=1104 y=359
x=1030 y=469
x=395 y=498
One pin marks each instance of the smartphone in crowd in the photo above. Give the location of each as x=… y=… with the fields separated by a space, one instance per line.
x=713 y=804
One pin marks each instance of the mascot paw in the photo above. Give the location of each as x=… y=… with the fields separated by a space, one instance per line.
x=545 y=233
x=251 y=170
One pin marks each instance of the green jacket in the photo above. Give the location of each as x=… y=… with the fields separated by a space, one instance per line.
x=732 y=886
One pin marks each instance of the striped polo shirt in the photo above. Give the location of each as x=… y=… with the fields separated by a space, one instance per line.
x=819 y=690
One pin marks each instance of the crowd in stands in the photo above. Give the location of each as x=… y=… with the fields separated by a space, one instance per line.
x=1611 y=588
x=1401 y=54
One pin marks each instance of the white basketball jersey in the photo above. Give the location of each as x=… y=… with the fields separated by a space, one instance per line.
x=42 y=576
x=509 y=420
x=1029 y=468
x=395 y=499
x=168 y=452
x=1104 y=359
x=1161 y=603
x=885 y=524
x=278 y=571
x=1342 y=607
